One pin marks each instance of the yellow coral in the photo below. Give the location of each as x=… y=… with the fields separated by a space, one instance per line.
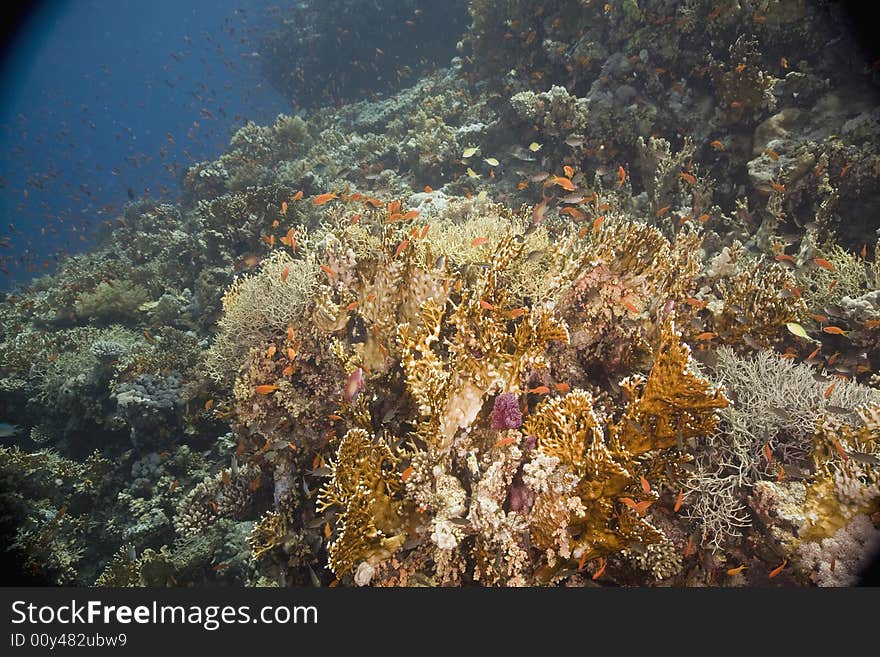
x=672 y=405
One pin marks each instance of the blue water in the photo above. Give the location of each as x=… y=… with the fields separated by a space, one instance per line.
x=108 y=100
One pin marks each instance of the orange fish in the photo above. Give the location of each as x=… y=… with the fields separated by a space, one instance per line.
x=598 y=222
x=689 y=548
x=321 y=199
x=773 y=155
x=708 y=335
x=778 y=187
x=290 y=334
x=174 y=486
x=428 y=189
x=220 y=566
x=352 y=305
x=662 y=211
x=645 y=485
x=872 y=323
x=678 y=500
x=284 y=207
x=582 y=232
x=688 y=178
x=327 y=532
x=149 y=338
x=224 y=477
x=297 y=196
x=717 y=145
x=778 y=569
x=406 y=474
x=768 y=453
x=819 y=318
x=479 y=241
x=289 y=240
x=275 y=224
x=412 y=214
x=864 y=251
x=270 y=240
x=703 y=218
x=376 y=203
x=569 y=172
x=630 y=306
x=814 y=353
x=835 y=330
x=400 y=248
x=516 y=312
x=638 y=507
x=832 y=284
x=829 y=390
x=266 y=389
x=328 y=270
x=839 y=449
x=824 y=264
x=540 y=390
x=781 y=474
x=696 y=303
x=271 y=351
x=285 y=274
x=563 y=182
x=503 y=442
x=562 y=387
x=784 y=256
x=573 y=213
x=737 y=570
x=621 y=176
x=486 y=305
x=209 y=404
x=601 y=569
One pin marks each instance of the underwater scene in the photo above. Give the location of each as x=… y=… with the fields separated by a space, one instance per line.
x=442 y=293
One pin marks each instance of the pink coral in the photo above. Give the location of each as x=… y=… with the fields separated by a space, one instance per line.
x=506 y=413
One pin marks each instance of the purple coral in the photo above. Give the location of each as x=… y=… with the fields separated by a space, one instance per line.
x=506 y=413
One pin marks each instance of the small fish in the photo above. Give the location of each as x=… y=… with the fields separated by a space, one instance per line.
x=563 y=182
x=534 y=147
x=798 y=330
x=689 y=548
x=707 y=336
x=773 y=155
x=768 y=453
x=400 y=248
x=696 y=303
x=327 y=532
x=736 y=571
x=328 y=270
x=266 y=389
x=284 y=207
x=659 y=213
x=703 y=218
x=479 y=241
x=834 y=330
x=321 y=199
x=491 y=161
x=516 y=312
x=503 y=442
x=598 y=222
x=469 y=152
x=717 y=145
x=645 y=485
x=688 y=178
x=784 y=257
x=540 y=390
x=569 y=172
x=220 y=566
x=406 y=474
x=601 y=569
x=824 y=264
x=270 y=351
x=284 y=274
x=829 y=390
x=779 y=187
x=355 y=383
x=638 y=507
x=297 y=196
x=621 y=176
x=562 y=387
x=224 y=477
x=174 y=486
x=486 y=305
x=678 y=500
